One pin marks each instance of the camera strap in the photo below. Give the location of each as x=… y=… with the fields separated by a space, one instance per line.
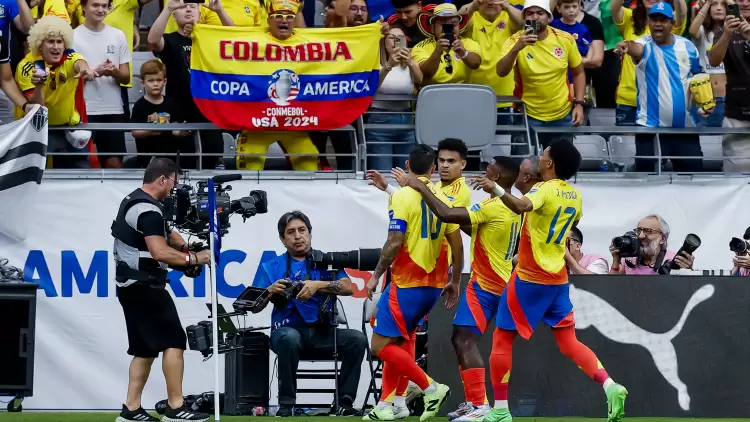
x=288 y=272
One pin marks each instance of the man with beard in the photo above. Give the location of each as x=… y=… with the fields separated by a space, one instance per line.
x=653 y=233
x=664 y=64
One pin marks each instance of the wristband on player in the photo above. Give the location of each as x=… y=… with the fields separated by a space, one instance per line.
x=389 y=189
x=497 y=190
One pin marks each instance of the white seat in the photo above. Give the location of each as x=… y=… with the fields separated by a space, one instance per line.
x=622 y=149
x=136 y=91
x=602 y=117
x=593 y=149
x=442 y=113
x=501 y=147
x=140 y=57
x=230 y=145
x=712 y=152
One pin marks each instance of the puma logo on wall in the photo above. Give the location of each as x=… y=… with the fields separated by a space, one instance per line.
x=593 y=311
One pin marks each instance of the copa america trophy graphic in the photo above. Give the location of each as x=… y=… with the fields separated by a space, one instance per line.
x=284 y=87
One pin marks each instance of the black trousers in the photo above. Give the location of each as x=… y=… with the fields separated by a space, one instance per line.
x=316 y=342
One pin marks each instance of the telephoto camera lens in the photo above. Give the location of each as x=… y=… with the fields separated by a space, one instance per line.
x=738 y=246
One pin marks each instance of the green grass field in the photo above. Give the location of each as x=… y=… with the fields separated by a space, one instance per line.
x=110 y=417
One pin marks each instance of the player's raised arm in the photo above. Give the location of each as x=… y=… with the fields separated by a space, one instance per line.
x=442 y=210
x=457 y=255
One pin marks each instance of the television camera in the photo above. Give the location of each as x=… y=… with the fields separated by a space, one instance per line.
x=188 y=211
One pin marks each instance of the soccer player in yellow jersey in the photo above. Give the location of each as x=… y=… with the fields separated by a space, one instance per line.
x=493 y=237
x=419 y=277
x=539 y=290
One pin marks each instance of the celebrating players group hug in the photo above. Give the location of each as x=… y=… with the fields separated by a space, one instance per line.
x=424 y=243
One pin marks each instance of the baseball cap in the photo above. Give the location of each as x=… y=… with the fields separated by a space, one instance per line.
x=662 y=8
x=542 y=4
x=280 y=6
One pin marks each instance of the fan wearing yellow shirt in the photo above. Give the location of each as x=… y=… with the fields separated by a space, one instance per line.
x=241 y=12
x=420 y=276
x=54 y=68
x=493 y=237
x=538 y=291
x=542 y=57
x=446 y=56
x=633 y=24
x=40 y=8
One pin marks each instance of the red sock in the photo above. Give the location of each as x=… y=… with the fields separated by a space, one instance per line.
x=404 y=364
x=579 y=353
x=390 y=382
x=501 y=361
x=410 y=347
x=474 y=385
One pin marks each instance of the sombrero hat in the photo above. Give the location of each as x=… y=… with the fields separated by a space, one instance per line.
x=445 y=10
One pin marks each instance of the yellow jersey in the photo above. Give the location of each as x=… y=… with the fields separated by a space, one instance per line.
x=421 y=261
x=460 y=75
x=490 y=36
x=59 y=89
x=541 y=72
x=494 y=233
x=75 y=12
x=626 y=90
x=458 y=192
x=541 y=250
x=52 y=8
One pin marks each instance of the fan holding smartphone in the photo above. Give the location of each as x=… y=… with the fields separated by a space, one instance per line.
x=445 y=56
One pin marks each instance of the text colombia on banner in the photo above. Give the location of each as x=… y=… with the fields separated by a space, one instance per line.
x=318 y=79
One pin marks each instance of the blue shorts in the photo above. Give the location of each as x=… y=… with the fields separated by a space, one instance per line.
x=401 y=309
x=476 y=308
x=523 y=305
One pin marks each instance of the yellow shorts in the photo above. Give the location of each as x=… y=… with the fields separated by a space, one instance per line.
x=293 y=142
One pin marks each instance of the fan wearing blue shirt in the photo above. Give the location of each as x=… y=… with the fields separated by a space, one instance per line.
x=16 y=13
x=568 y=10
x=300 y=326
x=664 y=64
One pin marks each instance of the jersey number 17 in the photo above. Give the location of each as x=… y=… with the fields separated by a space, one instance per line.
x=571 y=213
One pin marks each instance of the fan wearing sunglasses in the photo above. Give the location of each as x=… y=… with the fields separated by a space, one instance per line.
x=54 y=67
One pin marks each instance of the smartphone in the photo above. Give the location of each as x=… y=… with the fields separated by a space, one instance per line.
x=448 y=32
x=40 y=65
x=400 y=41
x=530 y=26
x=194 y=1
x=733 y=10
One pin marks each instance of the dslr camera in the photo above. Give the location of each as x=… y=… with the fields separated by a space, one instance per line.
x=628 y=244
x=740 y=246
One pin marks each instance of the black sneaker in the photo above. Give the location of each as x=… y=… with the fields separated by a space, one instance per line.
x=285 y=412
x=345 y=408
x=138 y=415
x=183 y=414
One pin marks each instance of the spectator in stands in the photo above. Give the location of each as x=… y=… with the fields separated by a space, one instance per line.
x=633 y=24
x=653 y=233
x=281 y=26
x=741 y=265
x=239 y=12
x=106 y=48
x=708 y=16
x=604 y=79
x=580 y=263
x=154 y=108
x=548 y=55
x=344 y=13
x=16 y=13
x=174 y=51
x=399 y=75
x=731 y=48
x=490 y=24
x=664 y=63
x=433 y=54
x=51 y=41
x=405 y=17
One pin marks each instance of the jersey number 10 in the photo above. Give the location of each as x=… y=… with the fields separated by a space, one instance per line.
x=571 y=212
x=430 y=224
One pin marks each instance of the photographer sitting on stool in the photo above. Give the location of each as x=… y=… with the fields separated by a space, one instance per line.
x=300 y=324
x=143 y=247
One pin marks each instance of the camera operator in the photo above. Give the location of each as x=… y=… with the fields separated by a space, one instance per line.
x=143 y=247
x=300 y=324
x=652 y=235
x=741 y=260
x=580 y=263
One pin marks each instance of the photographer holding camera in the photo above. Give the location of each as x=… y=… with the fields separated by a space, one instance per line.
x=302 y=318
x=143 y=248
x=643 y=251
x=741 y=260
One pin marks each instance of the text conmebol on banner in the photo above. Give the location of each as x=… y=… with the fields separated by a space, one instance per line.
x=245 y=79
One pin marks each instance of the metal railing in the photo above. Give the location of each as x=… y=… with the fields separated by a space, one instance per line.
x=360 y=127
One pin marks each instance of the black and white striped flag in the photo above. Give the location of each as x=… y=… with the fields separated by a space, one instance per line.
x=23 y=154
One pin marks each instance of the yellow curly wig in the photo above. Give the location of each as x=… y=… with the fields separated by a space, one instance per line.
x=49 y=27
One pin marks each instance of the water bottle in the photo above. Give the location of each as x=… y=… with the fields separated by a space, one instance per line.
x=604 y=166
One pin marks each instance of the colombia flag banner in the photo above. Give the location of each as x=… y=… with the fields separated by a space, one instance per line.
x=318 y=79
